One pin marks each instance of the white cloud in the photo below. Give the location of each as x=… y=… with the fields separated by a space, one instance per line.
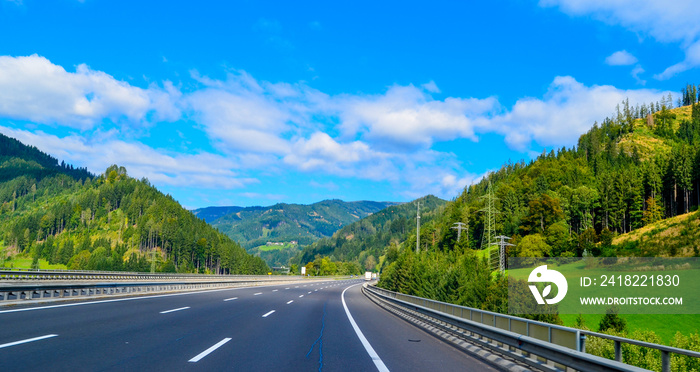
x=355 y=159
x=255 y=117
x=431 y=87
x=621 y=58
x=32 y=88
x=636 y=71
x=692 y=59
x=666 y=21
x=567 y=110
x=266 y=128
x=202 y=170
x=406 y=118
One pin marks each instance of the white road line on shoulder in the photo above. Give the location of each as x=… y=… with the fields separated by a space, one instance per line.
x=232 y=298
x=259 y=293
x=208 y=351
x=381 y=367
x=267 y=314
x=178 y=309
x=25 y=341
x=290 y=301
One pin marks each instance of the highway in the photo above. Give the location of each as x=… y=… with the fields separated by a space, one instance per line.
x=299 y=327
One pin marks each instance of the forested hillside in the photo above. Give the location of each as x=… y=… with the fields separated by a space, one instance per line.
x=107 y=222
x=369 y=241
x=288 y=226
x=255 y=226
x=634 y=169
x=630 y=171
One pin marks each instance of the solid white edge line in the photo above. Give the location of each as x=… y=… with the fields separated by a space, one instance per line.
x=178 y=309
x=25 y=341
x=290 y=302
x=232 y=298
x=372 y=354
x=269 y=313
x=208 y=351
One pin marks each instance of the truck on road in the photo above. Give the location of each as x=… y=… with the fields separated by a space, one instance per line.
x=368 y=275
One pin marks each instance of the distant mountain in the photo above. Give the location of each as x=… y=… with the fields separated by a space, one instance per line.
x=71 y=218
x=367 y=240
x=304 y=224
x=210 y=214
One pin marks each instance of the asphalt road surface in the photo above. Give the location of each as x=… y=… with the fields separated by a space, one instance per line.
x=298 y=327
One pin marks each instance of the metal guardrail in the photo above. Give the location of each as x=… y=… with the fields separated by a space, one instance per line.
x=556 y=343
x=21 y=284
x=31 y=274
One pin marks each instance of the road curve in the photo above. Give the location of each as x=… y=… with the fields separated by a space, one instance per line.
x=301 y=327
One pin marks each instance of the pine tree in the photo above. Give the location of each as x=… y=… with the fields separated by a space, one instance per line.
x=653 y=213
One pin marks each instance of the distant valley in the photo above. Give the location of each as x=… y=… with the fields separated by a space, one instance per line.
x=294 y=225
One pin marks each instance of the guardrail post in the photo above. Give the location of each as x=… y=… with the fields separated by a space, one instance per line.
x=581 y=342
x=665 y=361
x=618 y=351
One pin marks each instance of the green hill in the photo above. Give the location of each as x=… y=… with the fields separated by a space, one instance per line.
x=370 y=239
x=296 y=224
x=65 y=216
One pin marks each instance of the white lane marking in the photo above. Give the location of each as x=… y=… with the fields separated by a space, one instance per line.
x=301 y=296
x=372 y=354
x=267 y=314
x=290 y=302
x=127 y=299
x=178 y=309
x=287 y=288
x=25 y=341
x=208 y=351
x=315 y=290
x=275 y=290
x=309 y=293
x=232 y=298
x=296 y=287
x=259 y=293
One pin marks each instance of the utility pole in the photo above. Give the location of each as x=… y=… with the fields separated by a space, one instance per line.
x=459 y=227
x=418 y=228
x=502 y=244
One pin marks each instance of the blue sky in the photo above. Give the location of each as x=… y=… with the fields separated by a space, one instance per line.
x=259 y=102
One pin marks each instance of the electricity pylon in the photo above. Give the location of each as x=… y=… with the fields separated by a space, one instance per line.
x=489 y=235
x=502 y=244
x=459 y=227
x=418 y=227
